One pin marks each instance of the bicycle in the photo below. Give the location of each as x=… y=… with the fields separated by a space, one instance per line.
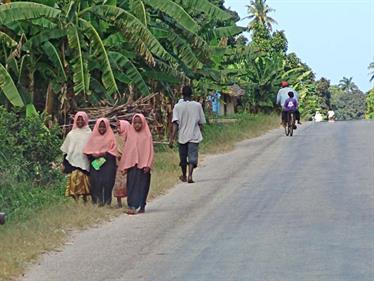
x=290 y=124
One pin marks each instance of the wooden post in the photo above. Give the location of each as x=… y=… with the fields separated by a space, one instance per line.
x=49 y=102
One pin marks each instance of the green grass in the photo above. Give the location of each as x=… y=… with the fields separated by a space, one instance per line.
x=223 y=136
x=18 y=199
x=41 y=218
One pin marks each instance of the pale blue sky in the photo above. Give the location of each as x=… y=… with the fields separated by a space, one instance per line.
x=334 y=37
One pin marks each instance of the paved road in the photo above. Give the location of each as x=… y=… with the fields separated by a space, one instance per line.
x=275 y=209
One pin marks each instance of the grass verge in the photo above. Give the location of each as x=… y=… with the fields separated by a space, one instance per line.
x=34 y=230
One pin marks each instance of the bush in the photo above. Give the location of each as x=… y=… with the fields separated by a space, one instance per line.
x=28 y=148
x=27 y=151
x=19 y=199
x=10 y=151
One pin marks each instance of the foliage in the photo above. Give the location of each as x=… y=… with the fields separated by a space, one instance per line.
x=70 y=54
x=370 y=105
x=264 y=79
x=258 y=12
x=323 y=92
x=19 y=199
x=28 y=149
x=309 y=102
x=347 y=105
x=66 y=49
x=347 y=85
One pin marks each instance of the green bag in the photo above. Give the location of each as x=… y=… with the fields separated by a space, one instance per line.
x=97 y=163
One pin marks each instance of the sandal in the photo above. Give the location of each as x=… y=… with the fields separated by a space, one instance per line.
x=131 y=211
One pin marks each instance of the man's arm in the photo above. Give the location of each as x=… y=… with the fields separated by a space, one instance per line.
x=173 y=134
x=174 y=129
x=202 y=119
x=278 y=98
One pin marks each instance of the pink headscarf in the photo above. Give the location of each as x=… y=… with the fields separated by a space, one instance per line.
x=83 y=115
x=100 y=144
x=124 y=127
x=138 y=147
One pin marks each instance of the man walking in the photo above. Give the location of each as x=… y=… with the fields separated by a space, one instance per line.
x=188 y=118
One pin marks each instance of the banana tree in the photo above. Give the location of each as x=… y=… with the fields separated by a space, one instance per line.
x=90 y=50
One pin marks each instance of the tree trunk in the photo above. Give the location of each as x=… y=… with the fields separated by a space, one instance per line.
x=131 y=94
x=32 y=86
x=49 y=103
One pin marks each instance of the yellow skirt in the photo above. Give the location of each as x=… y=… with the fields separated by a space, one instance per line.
x=77 y=184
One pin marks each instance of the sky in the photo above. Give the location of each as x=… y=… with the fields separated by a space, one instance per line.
x=334 y=37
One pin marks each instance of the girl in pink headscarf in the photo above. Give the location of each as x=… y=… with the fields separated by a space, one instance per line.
x=76 y=163
x=138 y=163
x=120 y=188
x=101 y=151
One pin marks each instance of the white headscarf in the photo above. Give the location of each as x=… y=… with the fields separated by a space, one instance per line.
x=75 y=142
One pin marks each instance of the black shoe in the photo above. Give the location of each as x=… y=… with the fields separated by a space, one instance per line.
x=295 y=127
x=298 y=122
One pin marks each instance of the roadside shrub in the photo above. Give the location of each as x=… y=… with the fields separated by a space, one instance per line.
x=28 y=148
x=10 y=151
x=19 y=199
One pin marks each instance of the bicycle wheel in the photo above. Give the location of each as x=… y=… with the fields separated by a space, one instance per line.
x=286 y=129
x=291 y=123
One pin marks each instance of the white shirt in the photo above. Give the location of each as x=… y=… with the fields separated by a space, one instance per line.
x=282 y=95
x=189 y=115
x=318 y=117
x=330 y=113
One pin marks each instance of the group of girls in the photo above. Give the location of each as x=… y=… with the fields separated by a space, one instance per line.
x=104 y=163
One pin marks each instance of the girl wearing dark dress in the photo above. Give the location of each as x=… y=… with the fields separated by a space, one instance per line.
x=138 y=163
x=101 y=151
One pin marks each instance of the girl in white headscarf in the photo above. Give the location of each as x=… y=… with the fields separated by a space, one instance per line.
x=76 y=163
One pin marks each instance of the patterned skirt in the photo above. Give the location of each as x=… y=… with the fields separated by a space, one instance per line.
x=120 y=186
x=77 y=184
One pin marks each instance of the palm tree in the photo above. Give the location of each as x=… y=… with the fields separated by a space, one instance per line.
x=371 y=73
x=258 y=12
x=347 y=85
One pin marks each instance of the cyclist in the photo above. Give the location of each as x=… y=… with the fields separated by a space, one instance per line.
x=290 y=105
x=283 y=96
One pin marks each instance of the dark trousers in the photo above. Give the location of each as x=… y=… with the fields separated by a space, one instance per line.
x=138 y=184
x=189 y=154
x=102 y=181
x=285 y=115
